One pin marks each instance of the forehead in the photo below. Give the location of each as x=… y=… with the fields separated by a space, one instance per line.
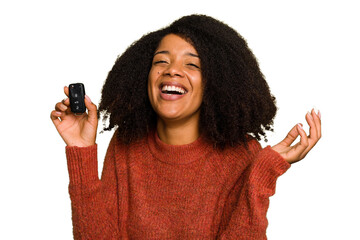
x=172 y=42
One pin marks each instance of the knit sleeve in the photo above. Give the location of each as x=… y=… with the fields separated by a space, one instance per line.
x=93 y=202
x=244 y=215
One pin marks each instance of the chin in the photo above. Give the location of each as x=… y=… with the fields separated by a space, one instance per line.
x=169 y=115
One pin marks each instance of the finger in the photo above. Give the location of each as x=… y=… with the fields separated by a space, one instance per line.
x=312 y=130
x=317 y=119
x=55 y=117
x=92 y=109
x=290 y=137
x=303 y=147
x=298 y=151
x=61 y=107
x=66 y=91
x=315 y=127
x=66 y=101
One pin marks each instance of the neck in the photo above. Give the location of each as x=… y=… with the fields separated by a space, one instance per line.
x=175 y=133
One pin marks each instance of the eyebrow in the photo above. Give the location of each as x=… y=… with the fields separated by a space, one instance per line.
x=167 y=52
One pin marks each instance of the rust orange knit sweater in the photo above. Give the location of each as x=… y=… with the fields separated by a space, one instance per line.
x=151 y=190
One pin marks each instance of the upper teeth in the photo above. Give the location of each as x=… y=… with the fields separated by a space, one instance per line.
x=173 y=88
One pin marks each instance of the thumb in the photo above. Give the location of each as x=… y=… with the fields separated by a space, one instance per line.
x=92 y=109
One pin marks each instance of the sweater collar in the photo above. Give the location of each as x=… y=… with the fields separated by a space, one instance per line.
x=177 y=154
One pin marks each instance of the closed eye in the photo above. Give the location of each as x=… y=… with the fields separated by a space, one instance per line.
x=160 y=61
x=193 y=65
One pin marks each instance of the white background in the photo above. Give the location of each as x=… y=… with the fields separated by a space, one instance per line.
x=308 y=50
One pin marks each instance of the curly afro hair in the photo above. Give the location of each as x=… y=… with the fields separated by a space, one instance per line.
x=236 y=101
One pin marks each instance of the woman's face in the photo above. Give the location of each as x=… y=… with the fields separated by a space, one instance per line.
x=175 y=81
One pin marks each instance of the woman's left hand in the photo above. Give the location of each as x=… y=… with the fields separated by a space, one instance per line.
x=298 y=151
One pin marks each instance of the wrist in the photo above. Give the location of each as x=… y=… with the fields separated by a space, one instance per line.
x=80 y=144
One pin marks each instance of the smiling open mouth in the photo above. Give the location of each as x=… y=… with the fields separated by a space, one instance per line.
x=173 y=90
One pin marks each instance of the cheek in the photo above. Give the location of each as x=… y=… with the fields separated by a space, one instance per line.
x=151 y=85
x=198 y=85
x=153 y=75
x=200 y=94
x=151 y=78
x=150 y=91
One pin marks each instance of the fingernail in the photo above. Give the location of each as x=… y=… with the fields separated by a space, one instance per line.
x=317 y=112
x=309 y=114
x=300 y=125
x=87 y=97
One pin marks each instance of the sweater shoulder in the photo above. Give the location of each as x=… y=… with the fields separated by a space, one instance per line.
x=243 y=152
x=233 y=161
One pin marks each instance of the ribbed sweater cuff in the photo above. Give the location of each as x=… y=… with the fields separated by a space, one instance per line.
x=82 y=164
x=268 y=167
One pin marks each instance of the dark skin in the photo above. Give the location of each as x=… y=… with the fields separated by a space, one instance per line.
x=294 y=153
x=75 y=130
x=178 y=117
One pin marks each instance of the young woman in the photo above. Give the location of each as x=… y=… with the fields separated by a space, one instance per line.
x=189 y=103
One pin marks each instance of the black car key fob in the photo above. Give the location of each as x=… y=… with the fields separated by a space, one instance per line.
x=77 y=98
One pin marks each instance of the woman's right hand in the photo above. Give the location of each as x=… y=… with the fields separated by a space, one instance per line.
x=75 y=130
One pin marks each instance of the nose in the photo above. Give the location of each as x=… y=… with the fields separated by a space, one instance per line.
x=174 y=70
